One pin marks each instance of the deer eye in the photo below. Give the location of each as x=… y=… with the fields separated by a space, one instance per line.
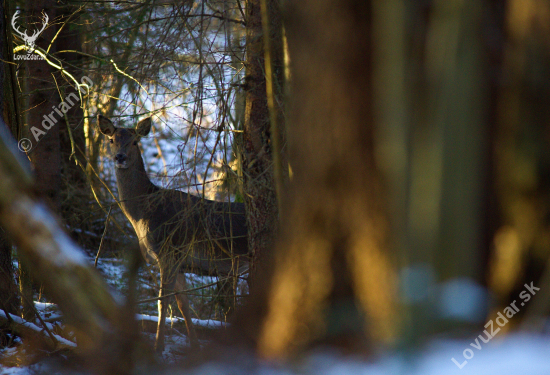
x=110 y=140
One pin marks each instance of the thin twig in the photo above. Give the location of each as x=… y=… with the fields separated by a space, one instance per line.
x=186 y=291
x=55 y=341
x=103 y=236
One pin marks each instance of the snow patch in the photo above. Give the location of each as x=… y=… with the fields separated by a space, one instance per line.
x=34 y=327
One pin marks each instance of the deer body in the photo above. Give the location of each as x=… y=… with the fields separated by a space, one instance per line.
x=175 y=230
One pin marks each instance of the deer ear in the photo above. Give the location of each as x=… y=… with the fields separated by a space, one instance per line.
x=105 y=125
x=143 y=127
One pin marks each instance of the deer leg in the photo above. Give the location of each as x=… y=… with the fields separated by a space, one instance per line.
x=226 y=297
x=183 y=304
x=162 y=306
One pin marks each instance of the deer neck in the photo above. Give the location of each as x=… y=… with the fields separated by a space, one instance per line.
x=134 y=189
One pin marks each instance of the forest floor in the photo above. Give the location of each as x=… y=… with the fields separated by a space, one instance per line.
x=524 y=353
x=204 y=303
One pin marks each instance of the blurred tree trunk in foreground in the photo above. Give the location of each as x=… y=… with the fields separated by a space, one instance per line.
x=522 y=159
x=447 y=100
x=427 y=74
x=106 y=331
x=332 y=274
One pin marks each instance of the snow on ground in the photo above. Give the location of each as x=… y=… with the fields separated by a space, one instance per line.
x=34 y=327
x=114 y=272
x=517 y=354
x=526 y=354
x=44 y=306
x=38 y=368
x=205 y=323
x=48 y=311
x=521 y=353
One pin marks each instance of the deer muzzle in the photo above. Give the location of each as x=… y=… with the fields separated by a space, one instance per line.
x=121 y=161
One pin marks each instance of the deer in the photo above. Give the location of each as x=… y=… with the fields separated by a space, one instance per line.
x=176 y=231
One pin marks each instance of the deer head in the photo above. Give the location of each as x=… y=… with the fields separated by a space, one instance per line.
x=124 y=142
x=30 y=40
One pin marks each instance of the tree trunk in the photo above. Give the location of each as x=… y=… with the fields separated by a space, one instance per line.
x=69 y=39
x=444 y=160
x=106 y=330
x=9 y=300
x=76 y=194
x=45 y=150
x=260 y=195
x=43 y=95
x=331 y=265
